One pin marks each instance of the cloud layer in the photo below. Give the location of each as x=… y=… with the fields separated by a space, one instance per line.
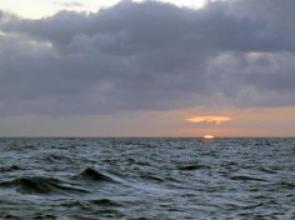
x=209 y=119
x=149 y=56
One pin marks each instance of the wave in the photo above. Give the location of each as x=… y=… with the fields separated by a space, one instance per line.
x=287 y=184
x=246 y=178
x=41 y=185
x=193 y=167
x=152 y=177
x=94 y=175
x=10 y=168
x=105 y=202
x=53 y=158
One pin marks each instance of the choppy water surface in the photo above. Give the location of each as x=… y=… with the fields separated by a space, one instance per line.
x=147 y=179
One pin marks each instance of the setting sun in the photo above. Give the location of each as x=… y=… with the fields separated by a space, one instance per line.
x=208 y=136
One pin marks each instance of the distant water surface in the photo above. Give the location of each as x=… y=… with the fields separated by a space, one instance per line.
x=165 y=178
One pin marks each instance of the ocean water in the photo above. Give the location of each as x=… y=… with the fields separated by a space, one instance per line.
x=135 y=178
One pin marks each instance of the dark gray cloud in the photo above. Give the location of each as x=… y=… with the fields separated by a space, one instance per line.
x=149 y=56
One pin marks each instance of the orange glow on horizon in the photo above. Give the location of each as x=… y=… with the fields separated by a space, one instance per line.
x=209 y=119
x=208 y=136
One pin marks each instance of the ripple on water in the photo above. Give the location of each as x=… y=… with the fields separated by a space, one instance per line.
x=146 y=178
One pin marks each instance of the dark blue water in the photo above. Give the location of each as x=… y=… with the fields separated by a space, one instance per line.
x=147 y=178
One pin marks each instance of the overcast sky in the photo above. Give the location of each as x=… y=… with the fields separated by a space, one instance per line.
x=147 y=68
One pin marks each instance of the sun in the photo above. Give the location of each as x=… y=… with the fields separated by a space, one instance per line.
x=208 y=136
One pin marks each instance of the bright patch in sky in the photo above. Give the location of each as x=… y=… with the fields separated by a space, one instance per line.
x=209 y=119
x=43 y=8
x=209 y=136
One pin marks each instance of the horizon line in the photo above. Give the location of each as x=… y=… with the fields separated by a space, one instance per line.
x=172 y=137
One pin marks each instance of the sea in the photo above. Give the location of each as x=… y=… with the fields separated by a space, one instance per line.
x=147 y=178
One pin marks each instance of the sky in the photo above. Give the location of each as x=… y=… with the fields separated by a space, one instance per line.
x=147 y=68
